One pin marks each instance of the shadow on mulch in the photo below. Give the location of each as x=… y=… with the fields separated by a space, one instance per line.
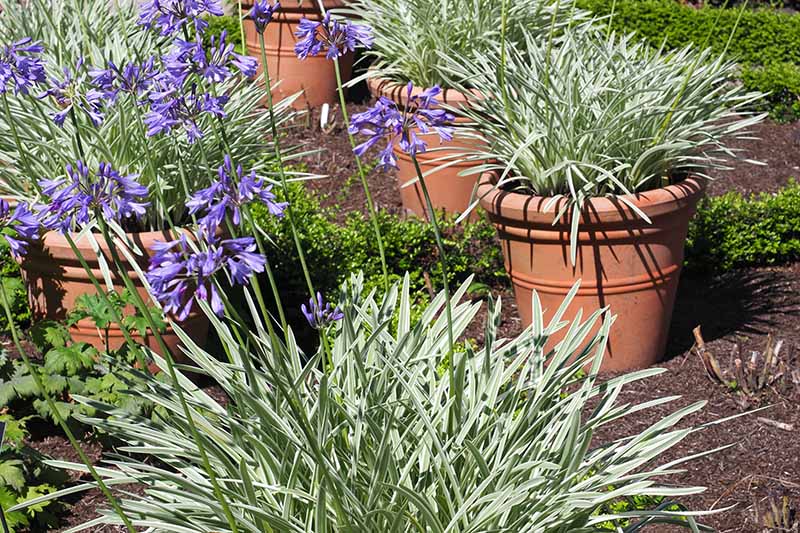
x=745 y=302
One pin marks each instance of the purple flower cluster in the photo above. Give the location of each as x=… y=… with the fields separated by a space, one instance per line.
x=134 y=79
x=262 y=14
x=20 y=221
x=171 y=16
x=229 y=194
x=173 y=107
x=179 y=274
x=68 y=94
x=191 y=57
x=73 y=199
x=333 y=36
x=320 y=314
x=385 y=121
x=20 y=66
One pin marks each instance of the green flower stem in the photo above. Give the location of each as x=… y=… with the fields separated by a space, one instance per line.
x=445 y=275
x=140 y=304
x=57 y=415
x=154 y=174
x=363 y=176
x=276 y=144
x=78 y=141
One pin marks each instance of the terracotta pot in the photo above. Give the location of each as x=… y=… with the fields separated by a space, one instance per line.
x=449 y=191
x=55 y=279
x=624 y=263
x=315 y=76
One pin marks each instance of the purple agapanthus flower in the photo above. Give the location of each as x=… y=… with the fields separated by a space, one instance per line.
x=180 y=274
x=385 y=121
x=18 y=226
x=214 y=64
x=320 y=314
x=173 y=107
x=20 y=66
x=228 y=194
x=72 y=200
x=261 y=14
x=133 y=78
x=335 y=37
x=170 y=16
x=69 y=93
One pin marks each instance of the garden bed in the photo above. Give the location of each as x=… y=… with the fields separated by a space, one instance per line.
x=736 y=310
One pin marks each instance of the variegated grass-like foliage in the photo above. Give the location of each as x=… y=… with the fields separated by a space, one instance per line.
x=383 y=441
x=411 y=36
x=602 y=114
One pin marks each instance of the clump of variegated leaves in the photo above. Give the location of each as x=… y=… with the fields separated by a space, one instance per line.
x=597 y=114
x=411 y=36
x=380 y=441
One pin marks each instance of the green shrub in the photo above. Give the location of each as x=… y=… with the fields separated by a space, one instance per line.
x=732 y=231
x=766 y=42
x=333 y=251
x=782 y=83
x=762 y=36
x=228 y=23
x=9 y=277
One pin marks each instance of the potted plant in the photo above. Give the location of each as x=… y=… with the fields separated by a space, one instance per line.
x=160 y=126
x=413 y=40
x=600 y=149
x=314 y=75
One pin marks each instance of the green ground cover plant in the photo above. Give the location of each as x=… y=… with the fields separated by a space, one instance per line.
x=766 y=43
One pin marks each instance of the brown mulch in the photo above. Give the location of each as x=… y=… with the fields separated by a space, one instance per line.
x=736 y=311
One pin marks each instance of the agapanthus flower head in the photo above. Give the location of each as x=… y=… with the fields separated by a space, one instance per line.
x=385 y=121
x=229 y=194
x=18 y=226
x=214 y=64
x=176 y=107
x=72 y=200
x=319 y=313
x=335 y=37
x=170 y=16
x=20 y=66
x=261 y=14
x=71 y=93
x=181 y=272
x=133 y=78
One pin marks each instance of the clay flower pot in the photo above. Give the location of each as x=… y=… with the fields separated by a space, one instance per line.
x=315 y=75
x=623 y=261
x=449 y=191
x=55 y=279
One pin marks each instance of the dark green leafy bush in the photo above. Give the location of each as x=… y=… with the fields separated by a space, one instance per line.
x=766 y=42
x=731 y=231
x=334 y=251
x=9 y=277
x=228 y=23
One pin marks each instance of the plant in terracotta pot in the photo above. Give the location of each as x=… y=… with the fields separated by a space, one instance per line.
x=153 y=117
x=313 y=77
x=599 y=150
x=414 y=40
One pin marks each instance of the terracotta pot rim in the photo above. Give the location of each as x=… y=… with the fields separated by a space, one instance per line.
x=530 y=210
x=397 y=91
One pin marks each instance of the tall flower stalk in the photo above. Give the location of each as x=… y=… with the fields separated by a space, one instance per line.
x=340 y=38
x=385 y=122
x=262 y=14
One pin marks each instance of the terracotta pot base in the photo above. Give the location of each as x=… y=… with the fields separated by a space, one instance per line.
x=623 y=262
